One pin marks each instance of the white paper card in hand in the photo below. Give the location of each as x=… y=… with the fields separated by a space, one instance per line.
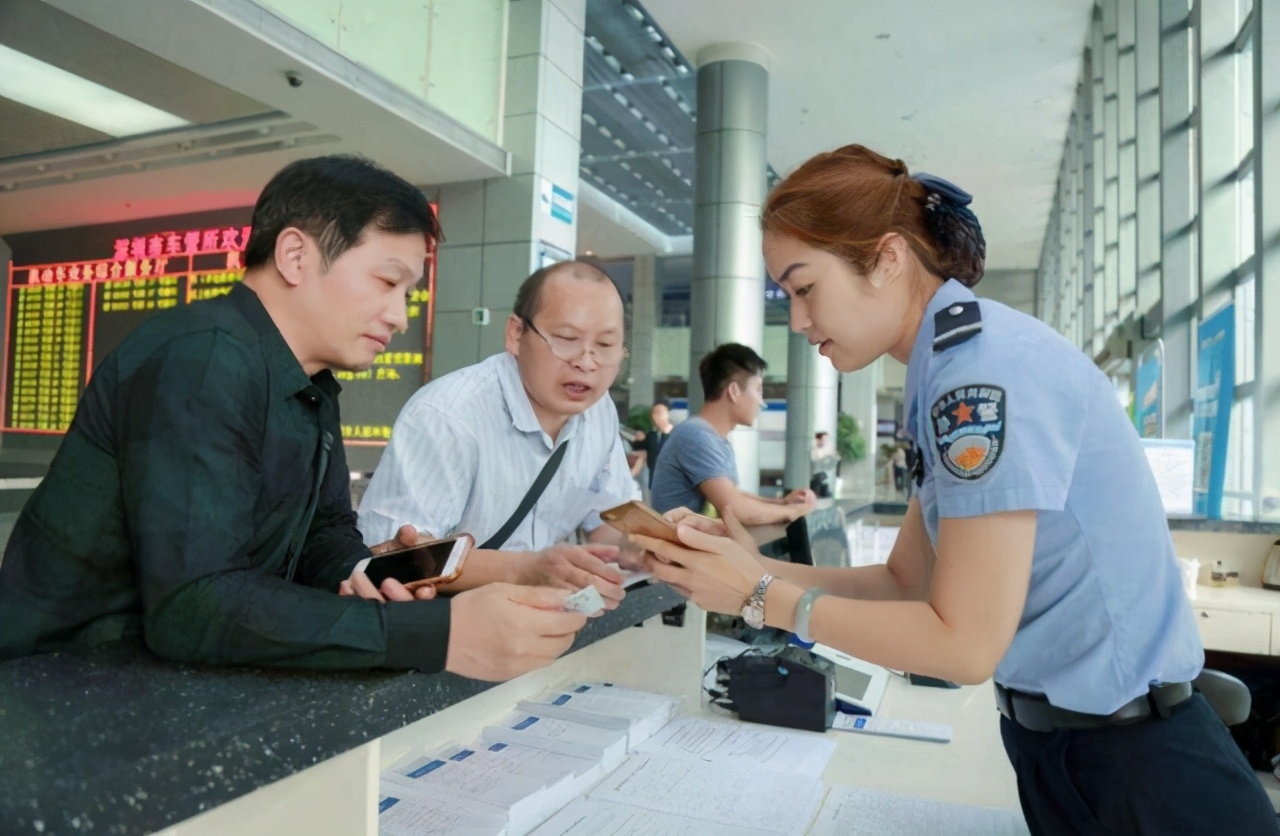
x=586 y=600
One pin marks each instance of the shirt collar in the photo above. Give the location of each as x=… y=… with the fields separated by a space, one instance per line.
x=285 y=372
x=519 y=407
x=950 y=293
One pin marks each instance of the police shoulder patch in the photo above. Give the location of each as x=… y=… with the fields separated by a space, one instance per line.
x=968 y=429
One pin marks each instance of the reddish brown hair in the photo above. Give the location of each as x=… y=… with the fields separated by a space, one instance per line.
x=844 y=201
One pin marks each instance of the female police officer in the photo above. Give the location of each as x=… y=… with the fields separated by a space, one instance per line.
x=1036 y=550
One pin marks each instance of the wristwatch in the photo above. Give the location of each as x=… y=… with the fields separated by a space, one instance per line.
x=753 y=607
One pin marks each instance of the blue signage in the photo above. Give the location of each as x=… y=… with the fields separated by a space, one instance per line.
x=557 y=201
x=1148 y=396
x=1215 y=392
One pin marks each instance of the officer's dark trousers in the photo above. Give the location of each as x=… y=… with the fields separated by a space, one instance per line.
x=1164 y=777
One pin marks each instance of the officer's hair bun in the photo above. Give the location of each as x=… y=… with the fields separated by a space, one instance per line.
x=844 y=201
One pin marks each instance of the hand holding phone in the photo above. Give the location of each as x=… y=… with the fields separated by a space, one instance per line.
x=635 y=517
x=434 y=563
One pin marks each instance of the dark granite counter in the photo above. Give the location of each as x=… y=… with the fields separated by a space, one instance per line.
x=114 y=740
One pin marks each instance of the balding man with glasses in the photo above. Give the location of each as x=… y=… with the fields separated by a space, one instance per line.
x=522 y=449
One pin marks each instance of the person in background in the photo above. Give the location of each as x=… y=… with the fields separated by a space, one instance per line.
x=898 y=462
x=468 y=446
x=1036 y=550
x=822 y=448
x=698 y=466
x=201 y=495
x=649 y=444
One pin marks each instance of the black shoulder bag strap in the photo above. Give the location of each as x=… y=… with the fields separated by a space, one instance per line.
x=535 y=491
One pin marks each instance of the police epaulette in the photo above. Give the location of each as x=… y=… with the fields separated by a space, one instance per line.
x=956 y=323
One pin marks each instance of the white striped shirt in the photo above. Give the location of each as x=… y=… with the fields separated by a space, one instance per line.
x=466 y=448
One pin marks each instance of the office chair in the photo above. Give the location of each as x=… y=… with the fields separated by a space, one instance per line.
x=1229 y=697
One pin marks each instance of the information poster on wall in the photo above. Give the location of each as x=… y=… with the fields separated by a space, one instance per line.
x=1215 y=391
x=1148 y=396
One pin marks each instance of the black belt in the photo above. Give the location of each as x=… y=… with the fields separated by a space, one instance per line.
x=1036 y=713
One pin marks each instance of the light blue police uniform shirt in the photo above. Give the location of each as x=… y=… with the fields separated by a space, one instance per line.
x=1017 y=418
x=692 y=454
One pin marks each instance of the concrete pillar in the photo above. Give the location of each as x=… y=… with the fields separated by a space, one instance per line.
x=858 y=398
x=644 y=323
x=812 y=385
x=727 y=303
x=1266 y=398
x=499 y=231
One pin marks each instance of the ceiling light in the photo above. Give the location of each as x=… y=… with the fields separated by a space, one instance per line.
x=669 y=52
x=681 y=68
x=613 y=62
x=43 y=86
x=618 y=142
x=589 y=119
x=620 y=99
x=595 y=43
x=636 y=14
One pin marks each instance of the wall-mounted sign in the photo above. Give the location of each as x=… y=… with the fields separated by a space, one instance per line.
x=557 y=202
x=1148 y=395
x=1215 y=392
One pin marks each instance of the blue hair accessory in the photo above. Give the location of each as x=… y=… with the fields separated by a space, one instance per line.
x=939 y=190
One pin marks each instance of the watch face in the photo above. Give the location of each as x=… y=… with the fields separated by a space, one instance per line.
x=753 y=615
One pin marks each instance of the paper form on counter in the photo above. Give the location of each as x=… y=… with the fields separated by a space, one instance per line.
x=589 y=817
x=726 y=794
x=758 y=747
x=527 y=784
x=404 y=811
x=640 y=713
x=608 y=746
x=854 y=811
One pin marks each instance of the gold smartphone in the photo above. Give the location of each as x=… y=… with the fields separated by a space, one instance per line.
x=635 y=517
x=438 y=562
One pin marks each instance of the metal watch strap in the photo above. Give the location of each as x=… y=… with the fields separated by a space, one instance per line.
x=804 y=608
x=756 y=600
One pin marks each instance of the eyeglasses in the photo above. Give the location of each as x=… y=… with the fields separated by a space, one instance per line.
x=571 y=350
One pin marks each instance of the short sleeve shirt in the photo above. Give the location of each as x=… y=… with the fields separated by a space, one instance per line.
x=1017 y=418
x=692 y=454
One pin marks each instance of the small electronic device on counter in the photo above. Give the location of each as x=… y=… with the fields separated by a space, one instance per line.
x=793 y=688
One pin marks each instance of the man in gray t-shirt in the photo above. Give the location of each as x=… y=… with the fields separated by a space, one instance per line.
x=692 y=454
x=697 y=465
